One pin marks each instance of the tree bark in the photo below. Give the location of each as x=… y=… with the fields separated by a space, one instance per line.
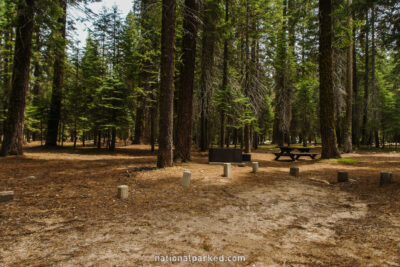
x=185 y=97
x=58 y=79
x=207 y=63
x=14 y=127
x=6 y=76
x=283 y=95
x=113 y=138
x=356 y=118
x=327 y=118
x=165 y=156
x=247 y=137
x=348 y=144
x=153 y=126
x=364 y=134
x=224 y=78
x=99 y=139
x=139 y=121
x=374 y=93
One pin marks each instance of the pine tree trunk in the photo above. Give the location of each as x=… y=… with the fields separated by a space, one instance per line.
x=283 y=102
x=185 y=97
x=139 y=122
x=228 y=137
x=235 y=137
x=95 y=137
x=348 y=144
x=224 y=78
x=113 y=138
x=153 y=127
x=204 y=142
x=374 y=93
x=364 y=134
x=99 y=139
x=147 y=125
x=108 y=139
x=28 y=136
x=62 y=134
x=291 y=69
x=355 y=117
x=277 y=135
x=41 y=132
x=327 y=118
x=58 y=80
x=255 y=140
x=37 y=90
x=165 y=156
x=83 y=139
x=207 y=63
x=241 y=138
x=222 y=129
x=6 y=76
x=14 y=127
x=339 y=130
x=75 y=134
x=247 y=139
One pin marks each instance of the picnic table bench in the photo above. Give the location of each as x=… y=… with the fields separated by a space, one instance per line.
x=287 y=152
x=304 y=154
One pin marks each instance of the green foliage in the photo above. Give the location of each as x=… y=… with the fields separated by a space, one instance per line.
x=114 y=80
x=266 y=121
x=111 y=102
x=307 y=101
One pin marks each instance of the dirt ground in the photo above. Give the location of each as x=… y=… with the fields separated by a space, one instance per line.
x=68 y=214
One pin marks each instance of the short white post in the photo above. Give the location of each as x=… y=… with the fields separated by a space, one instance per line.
x=123 y=191
x=227 y=170
x=255 y=167
x=186 y=178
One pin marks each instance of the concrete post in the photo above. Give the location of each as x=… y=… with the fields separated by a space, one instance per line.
x=123 y=191
x=255 y=167
x=186 y=178
x=227 y=170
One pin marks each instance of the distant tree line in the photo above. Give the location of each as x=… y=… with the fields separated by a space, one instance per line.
x=201 y=73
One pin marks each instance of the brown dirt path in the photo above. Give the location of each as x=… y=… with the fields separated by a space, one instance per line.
x=69 y=214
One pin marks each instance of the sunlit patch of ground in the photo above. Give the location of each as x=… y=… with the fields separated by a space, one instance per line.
x=69 y=215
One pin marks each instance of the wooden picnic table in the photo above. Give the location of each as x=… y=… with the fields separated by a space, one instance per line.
x=303 y=149
x=286 y=151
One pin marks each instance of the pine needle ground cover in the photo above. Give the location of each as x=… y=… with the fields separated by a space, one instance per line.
x=68 y=214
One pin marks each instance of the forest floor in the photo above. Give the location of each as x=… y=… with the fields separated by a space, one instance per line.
x=68 y=213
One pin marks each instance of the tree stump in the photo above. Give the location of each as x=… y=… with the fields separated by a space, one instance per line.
x=342 y=176
x=123 y=191
x=255 y=167
x=6 y=196
x=227 y=170
x=294 y=171
x=386 y=178
x=186 y=178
